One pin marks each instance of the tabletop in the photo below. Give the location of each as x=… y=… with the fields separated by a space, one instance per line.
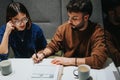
x=22 y=69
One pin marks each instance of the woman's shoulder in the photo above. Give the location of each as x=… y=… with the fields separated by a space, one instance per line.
x=35 y=25
x=36 y=28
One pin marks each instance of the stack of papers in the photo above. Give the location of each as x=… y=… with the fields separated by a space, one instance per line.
x=43 y=71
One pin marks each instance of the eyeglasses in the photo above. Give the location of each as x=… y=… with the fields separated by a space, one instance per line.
x=18 y=22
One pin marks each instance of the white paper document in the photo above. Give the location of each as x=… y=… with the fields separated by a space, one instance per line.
x=46 y=72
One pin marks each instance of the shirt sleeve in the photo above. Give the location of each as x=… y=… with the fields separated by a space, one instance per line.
x=57 y=40
x=113 y=50
x=98 y=54
x=3 y=57
x=40 y=40
x=2 y=30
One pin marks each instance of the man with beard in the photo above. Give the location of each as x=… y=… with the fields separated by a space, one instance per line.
x=112 y=25
x=81 y=40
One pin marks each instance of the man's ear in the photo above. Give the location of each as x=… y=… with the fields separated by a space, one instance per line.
x=86 y=17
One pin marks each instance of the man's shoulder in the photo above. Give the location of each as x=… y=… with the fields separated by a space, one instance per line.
x=99 y=27
x=64 y=25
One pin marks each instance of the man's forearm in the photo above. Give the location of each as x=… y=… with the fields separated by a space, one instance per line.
x=47 y=52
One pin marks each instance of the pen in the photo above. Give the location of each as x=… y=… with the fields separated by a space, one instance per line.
x=36 y=53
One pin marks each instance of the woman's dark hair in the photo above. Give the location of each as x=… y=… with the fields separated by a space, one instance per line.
x=84 y=6
x=14 y=8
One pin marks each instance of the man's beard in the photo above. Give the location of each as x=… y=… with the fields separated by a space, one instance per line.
x=79 y=26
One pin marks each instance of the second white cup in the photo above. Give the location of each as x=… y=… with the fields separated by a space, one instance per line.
x=83 y=71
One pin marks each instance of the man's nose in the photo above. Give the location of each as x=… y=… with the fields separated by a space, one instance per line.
x=69 y=21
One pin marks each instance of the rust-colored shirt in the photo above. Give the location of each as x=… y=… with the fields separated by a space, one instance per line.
x=88 y=44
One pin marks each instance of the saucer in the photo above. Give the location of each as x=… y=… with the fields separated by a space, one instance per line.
x=90 y=78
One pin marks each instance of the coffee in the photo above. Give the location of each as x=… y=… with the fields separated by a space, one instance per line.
x=83 y=69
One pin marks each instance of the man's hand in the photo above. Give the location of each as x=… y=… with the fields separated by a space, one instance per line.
x=37 y=57
x=63 y=61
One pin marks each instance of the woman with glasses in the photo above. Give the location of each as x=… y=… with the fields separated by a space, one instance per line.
x=20 y=33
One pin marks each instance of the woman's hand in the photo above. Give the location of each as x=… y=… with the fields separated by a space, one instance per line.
x=9 y=27
x=63 y=61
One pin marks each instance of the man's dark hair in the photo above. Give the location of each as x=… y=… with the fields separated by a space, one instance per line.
x=84 y=6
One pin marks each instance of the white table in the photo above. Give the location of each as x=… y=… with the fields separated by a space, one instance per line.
x=118 y=69
x=23 y=67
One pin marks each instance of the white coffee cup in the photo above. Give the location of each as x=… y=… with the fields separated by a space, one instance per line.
x=83 y=71
x=6 y=67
